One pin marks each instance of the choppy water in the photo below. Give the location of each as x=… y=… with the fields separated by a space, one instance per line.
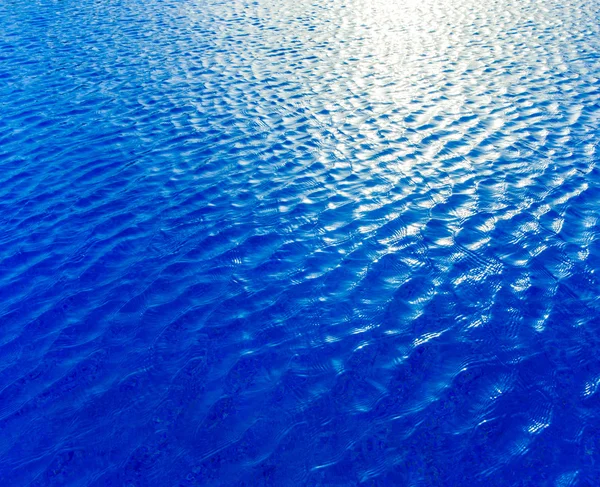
x=299 y=242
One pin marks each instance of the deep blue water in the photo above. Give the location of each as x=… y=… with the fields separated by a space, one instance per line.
x=299 y=242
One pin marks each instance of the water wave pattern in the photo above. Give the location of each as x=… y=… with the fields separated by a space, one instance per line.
x=299 y=242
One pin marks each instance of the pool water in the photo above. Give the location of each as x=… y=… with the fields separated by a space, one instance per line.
x=299 y=242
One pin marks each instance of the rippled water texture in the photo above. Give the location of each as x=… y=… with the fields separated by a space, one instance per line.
x=299 y=242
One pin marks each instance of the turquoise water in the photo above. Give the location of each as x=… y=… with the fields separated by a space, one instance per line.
x=299 y=243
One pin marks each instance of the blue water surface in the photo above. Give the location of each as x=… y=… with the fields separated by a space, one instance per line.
x=299 y=243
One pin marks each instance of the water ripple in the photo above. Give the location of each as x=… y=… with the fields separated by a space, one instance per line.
x=299 y=243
